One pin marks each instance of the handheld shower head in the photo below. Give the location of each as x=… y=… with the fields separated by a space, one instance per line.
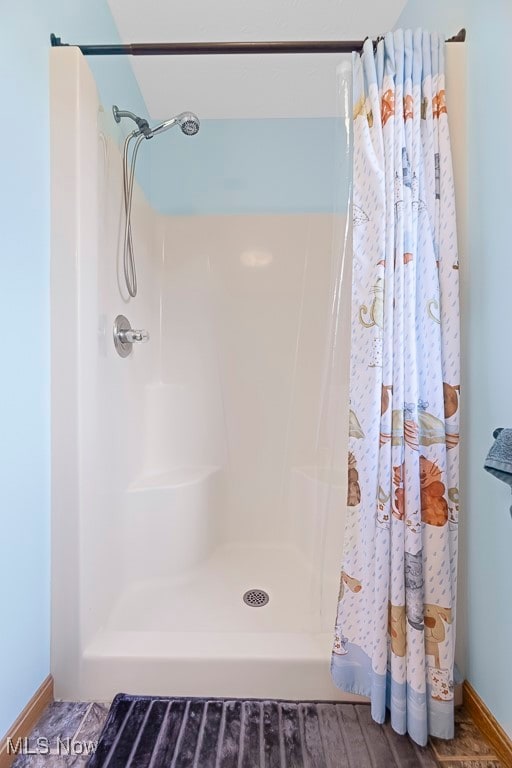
x=188 y=122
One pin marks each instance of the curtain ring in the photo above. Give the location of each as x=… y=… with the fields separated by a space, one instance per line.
x=376 y=42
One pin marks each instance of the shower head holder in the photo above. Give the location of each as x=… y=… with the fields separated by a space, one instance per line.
x=142 y=124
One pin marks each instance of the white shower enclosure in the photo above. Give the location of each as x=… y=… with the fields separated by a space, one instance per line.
x=209 y=462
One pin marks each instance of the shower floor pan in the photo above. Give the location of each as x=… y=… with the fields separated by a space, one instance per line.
x=197 y=637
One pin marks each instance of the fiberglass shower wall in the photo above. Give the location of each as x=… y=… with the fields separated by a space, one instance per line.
x=212 y=460
x=97 y=414
x=253 y=215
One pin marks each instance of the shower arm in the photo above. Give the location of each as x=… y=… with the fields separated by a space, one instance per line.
x=119 y=113
x=142 y=124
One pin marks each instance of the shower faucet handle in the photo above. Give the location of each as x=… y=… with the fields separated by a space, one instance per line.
x=130 y=336
x=125 y=336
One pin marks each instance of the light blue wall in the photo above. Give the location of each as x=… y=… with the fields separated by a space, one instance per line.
x=445 y=16
x=487 y=526
x=24 y=318
x=251 y=166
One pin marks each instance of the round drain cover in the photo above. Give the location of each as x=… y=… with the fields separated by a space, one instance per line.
x=256 y=598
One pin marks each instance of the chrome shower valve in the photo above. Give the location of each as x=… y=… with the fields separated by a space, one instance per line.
x=129 y=337
x=125 y=336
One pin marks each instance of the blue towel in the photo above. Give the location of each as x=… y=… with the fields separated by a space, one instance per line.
x=499 y=458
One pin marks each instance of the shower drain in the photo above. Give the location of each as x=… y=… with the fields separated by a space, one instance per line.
x=256 y=598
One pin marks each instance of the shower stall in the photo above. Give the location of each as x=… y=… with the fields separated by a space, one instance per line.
x=199 y=482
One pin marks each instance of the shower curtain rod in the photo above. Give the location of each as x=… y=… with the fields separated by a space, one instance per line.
x=195 y=49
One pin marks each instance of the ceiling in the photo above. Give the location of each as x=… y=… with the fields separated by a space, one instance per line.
x=250 y=86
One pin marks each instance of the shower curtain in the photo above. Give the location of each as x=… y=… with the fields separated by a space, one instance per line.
x=395 y=628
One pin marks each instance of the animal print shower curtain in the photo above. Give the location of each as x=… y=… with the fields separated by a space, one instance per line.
x=395 y=628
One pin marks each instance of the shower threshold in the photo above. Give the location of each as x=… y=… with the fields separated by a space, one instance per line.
x=222 y=664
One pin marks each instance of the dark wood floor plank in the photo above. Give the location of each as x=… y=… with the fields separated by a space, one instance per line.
x=332 y=738
x=408 y=754
x=60 y=720
x=376 y=741
x=357 y=751
x=426 y=758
